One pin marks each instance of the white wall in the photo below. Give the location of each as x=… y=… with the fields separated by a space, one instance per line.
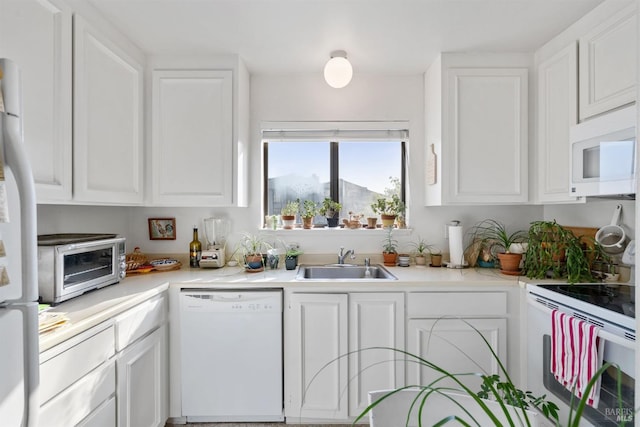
x=308 y=98
x=304 y=98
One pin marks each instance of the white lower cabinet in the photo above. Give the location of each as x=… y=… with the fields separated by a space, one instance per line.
x=315 y=373
x=142 y=364
x=330 y=365
x=84 y=382
x=77 y=376
x=448 y=329
x=142 y=382
x=453 y=345
x=376 y=325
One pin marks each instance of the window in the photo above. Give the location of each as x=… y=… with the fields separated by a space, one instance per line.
x=351 y=167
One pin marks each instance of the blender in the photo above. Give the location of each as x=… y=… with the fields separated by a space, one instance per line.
x=215 y=233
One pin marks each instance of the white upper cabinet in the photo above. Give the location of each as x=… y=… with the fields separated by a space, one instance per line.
x=192 y=138
x=608 y=64
x=37 y=36
x=108 y=120
x=477 y=117
x=557 y=112
x=199 y=131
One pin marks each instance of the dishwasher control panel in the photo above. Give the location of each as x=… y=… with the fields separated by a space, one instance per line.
x=230 y=302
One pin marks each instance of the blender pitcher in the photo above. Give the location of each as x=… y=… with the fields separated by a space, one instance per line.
x=215 y=233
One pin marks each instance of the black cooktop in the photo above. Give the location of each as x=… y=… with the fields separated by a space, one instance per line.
x=67 y=238
x=618 y=298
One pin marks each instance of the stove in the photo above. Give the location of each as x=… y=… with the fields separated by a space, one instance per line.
x=613 y=303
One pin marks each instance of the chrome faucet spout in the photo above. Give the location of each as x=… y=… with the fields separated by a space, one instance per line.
x=342 y=255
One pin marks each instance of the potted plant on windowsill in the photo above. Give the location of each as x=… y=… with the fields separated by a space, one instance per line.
x=493 y=235
x=288 y=214
x=390 y=248
x=330 y=209
x=389 y=208
x=309 y=210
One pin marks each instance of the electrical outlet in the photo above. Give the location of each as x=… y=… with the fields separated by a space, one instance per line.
x=293 y=245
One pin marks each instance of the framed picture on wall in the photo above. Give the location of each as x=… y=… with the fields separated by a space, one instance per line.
x=162 y=228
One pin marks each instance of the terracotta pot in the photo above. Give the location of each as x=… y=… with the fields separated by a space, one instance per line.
x=288 y=221
x=510 y=262
x=389 y=258
x=254 y=262
x=436 y=260
x=371 y=222
x=307 y=223
x=388 y=220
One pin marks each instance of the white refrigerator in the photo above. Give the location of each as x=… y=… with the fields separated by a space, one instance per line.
x=19 y=355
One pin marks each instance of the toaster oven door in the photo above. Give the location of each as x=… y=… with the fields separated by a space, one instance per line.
x=86 y=266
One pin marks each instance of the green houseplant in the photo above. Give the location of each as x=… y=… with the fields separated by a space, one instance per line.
x=492 y=236
x=330 y=209
x=309 y=210
x=288 y=214
x=389 y=248
x=420 y=250
x=389 y=208
x=254 y=249
x=555 y=252
x=291 y=257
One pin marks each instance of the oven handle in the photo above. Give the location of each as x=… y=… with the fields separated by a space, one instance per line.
x=607 y=336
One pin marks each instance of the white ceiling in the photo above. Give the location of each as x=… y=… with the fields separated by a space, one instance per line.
x=380 y=36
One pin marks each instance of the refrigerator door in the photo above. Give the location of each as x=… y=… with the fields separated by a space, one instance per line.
x=18 y=235
x=19 y=365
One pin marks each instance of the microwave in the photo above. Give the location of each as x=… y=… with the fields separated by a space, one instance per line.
x=71 y=264
x=603 y=155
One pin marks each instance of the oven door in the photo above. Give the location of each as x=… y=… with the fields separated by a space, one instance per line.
x=541 y=381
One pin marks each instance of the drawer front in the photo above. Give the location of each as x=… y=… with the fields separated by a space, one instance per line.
x=137 y=322
x=78 y=401
x=437 y=304
x=84 y=354
x=103 y=416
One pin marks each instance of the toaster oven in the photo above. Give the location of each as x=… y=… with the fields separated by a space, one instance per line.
x=72 y=264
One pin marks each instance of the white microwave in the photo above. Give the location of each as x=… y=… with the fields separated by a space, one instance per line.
x=603 y=155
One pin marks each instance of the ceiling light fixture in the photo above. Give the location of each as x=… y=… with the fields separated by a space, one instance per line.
x=338 y=70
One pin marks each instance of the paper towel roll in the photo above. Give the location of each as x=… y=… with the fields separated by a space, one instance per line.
x=456 y=251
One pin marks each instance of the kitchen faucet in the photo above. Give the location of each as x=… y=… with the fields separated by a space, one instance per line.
x=342 y=255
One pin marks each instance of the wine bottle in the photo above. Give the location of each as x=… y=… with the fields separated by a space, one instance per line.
x=195 y=249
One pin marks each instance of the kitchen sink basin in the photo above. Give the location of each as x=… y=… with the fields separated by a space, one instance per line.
x=344 y=272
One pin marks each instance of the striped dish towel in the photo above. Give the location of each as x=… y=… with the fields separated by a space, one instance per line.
x=575 y=354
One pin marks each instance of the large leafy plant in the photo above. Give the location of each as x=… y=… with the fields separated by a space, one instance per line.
x=555 y=252
x=513 y=404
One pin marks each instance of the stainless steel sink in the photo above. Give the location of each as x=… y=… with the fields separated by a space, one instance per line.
x=344 y=272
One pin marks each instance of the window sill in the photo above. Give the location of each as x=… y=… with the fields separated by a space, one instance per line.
x=337 y=230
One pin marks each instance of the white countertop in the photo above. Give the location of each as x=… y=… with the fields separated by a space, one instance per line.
x=103 y=304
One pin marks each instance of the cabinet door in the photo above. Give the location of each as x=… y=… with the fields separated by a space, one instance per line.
x=192 y=138
x=486 y=123
x=608 y=65
x=108 y=120
x=316 y=367
x=557 y=112
x=375 y=320
x=36 y=34
x=141 y=382
x=455 y=346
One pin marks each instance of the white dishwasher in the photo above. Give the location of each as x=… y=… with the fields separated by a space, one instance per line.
x=231 y=355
